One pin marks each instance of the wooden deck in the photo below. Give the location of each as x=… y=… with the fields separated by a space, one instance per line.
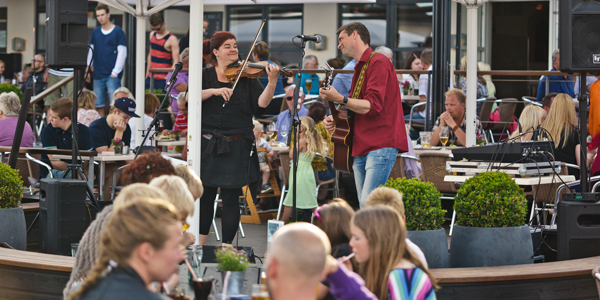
x=30 y=275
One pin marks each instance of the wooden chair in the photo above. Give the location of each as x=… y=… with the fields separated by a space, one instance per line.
x=398 y=168
x=486 y=110
x=255 y=216
x=321 y=185
x=433 y=165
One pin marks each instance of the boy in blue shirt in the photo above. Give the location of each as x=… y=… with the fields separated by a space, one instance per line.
x=60 y=136
x=109 y=50
x=111 y=127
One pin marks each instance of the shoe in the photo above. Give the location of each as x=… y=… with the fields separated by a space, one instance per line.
x=266 y=188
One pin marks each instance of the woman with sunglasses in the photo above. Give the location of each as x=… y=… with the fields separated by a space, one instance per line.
x=227 y=133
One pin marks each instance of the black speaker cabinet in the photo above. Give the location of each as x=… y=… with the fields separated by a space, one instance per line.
x=579 y=35
x=63 y=214
x=67 y=36
x=578 y=229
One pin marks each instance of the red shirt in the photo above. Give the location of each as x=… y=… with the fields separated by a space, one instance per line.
x=383 y=126
x=181 y=122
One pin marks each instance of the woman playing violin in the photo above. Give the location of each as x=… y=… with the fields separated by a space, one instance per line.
x=227 y=133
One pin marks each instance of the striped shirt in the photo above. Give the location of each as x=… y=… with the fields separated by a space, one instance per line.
x=405 y=284
x=160 y=56
x=181 y=122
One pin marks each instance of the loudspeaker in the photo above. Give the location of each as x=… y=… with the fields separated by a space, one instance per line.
x=12 y=63
x=578 y=229
x=63 y=214
x=579 y=35
x=67 y=36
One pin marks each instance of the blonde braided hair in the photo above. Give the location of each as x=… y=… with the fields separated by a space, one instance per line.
x=145 y=220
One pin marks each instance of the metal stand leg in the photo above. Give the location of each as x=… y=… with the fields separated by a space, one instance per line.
x=32 y=223
x=452 y=222
x=283 y=191
x=214 y=224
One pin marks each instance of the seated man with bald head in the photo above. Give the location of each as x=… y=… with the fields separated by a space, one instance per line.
x=296 y=261
x=299 y=259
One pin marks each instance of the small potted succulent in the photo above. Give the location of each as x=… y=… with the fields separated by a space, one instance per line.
x=490 y=225
x=12 y=218
x=117 y=146
x=176 y=133
x=235 y=261
x=424 y=218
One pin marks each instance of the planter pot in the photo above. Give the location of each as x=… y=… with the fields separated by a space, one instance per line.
x=434 y=245
x=13 y=230
x=118 y=150
x=492 y=246
x=236 y=282
x=177 y=137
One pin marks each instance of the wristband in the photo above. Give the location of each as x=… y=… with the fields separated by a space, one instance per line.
x=345 y=101
x=455 y=128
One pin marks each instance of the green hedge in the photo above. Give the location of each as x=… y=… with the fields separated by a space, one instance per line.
x=422 y=204
x=490 y=199
x=11 y=187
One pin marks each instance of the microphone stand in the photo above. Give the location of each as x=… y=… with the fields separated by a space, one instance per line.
x=155 y=122
x=294 y=124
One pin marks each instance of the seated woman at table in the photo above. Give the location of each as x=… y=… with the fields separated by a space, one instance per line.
x=454 y=120
x=86 y=112
x=413 y=62
x=140 y=244
x=89 y=249
x=531 y=117
x=385 y=263
x=561 y=127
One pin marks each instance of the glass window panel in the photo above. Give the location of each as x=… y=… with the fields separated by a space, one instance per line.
x=244 y=23
x=414 y=25
x=372 y=15
x=285 y=22
x=41 y=32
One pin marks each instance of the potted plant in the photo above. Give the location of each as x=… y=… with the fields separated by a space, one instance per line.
x=235 y=261
x=424 y=218
x=117 y=146
x=176 y=134
x=490 y=223
x=12 y=219
x=405 y=87
x=7 y=88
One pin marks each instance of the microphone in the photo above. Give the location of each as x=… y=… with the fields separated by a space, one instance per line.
x=315 y=38
x=176 y=69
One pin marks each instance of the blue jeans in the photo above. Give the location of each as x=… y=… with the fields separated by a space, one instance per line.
x=372 y=170
x=104 y=86
x=57 y=173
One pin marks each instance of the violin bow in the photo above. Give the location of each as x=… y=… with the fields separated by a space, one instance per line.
x=239 y=75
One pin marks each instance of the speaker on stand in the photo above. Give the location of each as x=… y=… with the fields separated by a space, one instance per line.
x=63 y=214
x=67 y=36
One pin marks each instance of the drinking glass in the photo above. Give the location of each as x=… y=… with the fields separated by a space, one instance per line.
x=272 y=132
x=194 y=255
x=259 y=292
x=284 y=131
x=308 y=85
x=74 y=247
x=202 y=288
x=425 y=139
x=444 y=136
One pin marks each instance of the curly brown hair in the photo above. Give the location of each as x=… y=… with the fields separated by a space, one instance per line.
x=146 y=167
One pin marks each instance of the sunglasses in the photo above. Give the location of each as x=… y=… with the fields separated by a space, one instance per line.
x=289 y=98
x=316 y=213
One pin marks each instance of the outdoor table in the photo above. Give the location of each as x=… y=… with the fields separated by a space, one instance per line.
x=103 y=159
x=166 y=144
x=419 y=150
x=410 y=99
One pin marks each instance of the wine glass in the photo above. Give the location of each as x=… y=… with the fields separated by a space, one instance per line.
x=308 y=85
x=272 y=132
x=284 y=130
x=444 y=136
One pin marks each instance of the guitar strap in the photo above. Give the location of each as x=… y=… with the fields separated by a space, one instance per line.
x=361 y=78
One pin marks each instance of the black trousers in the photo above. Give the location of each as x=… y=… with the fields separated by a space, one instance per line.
x=230 y=216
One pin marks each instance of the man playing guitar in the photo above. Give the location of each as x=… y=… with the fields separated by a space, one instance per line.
x=379 y=133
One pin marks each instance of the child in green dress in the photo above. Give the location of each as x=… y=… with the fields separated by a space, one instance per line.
x=310 y=142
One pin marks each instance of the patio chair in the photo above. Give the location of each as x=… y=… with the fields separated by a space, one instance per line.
x=398 y=170
x=433 y=165
x=506 y=109
x=321 y=185
x=546 y=194
x=416 y=125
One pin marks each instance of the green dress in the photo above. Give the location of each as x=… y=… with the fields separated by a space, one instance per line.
x=306 y=193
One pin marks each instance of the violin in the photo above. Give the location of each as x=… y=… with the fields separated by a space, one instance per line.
x=252 y=70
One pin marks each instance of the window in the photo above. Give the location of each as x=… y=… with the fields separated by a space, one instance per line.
x=372 y=15
x=283 y=23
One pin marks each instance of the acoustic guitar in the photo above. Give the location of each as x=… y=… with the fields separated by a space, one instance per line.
x=342 y=135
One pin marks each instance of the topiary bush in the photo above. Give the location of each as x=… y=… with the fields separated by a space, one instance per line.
x=422 y=204
x=490 y=199
x=7 y=88
x=11 y=187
